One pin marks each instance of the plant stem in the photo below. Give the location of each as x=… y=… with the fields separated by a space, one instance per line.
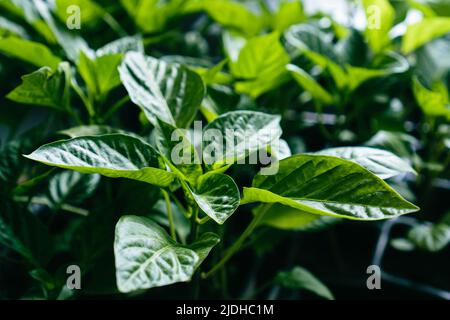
x=237 y=245
x=170 y=215
x=194 y=226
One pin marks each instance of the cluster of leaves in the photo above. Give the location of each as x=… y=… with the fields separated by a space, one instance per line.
x=352 y=106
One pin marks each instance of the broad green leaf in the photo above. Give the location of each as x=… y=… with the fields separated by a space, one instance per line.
x=178 y=151
x=434 y=103
x=289 y=12
x=70 y=187
x=325 y=185
x=114 y=156
x=169 y=92
x=234 y=16
x=100 y=73
x=382 y=163
x=235 y=135
x=424 y=31
x=71 y=42
x=32 y=52
x=146 y=257
x=430 y=237
x=310 y=85
x=45 y=88
x=380 y=17
x=217 y=195
x=261 y=65
x=302 y=279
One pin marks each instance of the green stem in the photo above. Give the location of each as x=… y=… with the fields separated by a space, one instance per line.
x=114 y=25
x=237 y=245
x=170 y=215
x=194 y=225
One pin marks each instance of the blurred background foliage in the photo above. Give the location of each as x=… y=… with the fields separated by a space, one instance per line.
x=337 y=74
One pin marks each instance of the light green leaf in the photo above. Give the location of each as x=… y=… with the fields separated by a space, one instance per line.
x=289 y=12
x=90 y=11
x=310 y=85
x=146 y=257
x=44 y=88
x=169 y=92
x=217 y=195
x=261 y=65
x=71 y=42
x=380 y=18
x=434 y=103
x=329 y=186
x=114 y=156
x=300 y=278
x=424 y=31
x=234 y=15
x=247 y=131
x=32 y=52
x=288 y=218
x=382 y=163
x=152 y=15
x=100 y=73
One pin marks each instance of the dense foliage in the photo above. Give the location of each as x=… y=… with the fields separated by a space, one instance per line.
x=92 y=93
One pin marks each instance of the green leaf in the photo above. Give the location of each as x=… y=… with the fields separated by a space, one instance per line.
x=310 y=85
x=300 y=278
x=90 y=11
x=329 y=186
x=423 y=32
x=317 y=47
x=45 y=88
x=247 y=131
x=382 y=163
x=233 y=15
x=289 y=12
x=152 y=15
x=217 y=195
x=380 y=18
x=261 y=65
x=430 y=237
x=100 y=73
x=434 y=103
x=32 y=52
x=169 y=92
x=114 y=156
x=71 y=42
x=178 y=151
x=146 y=257
x=70 y=187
